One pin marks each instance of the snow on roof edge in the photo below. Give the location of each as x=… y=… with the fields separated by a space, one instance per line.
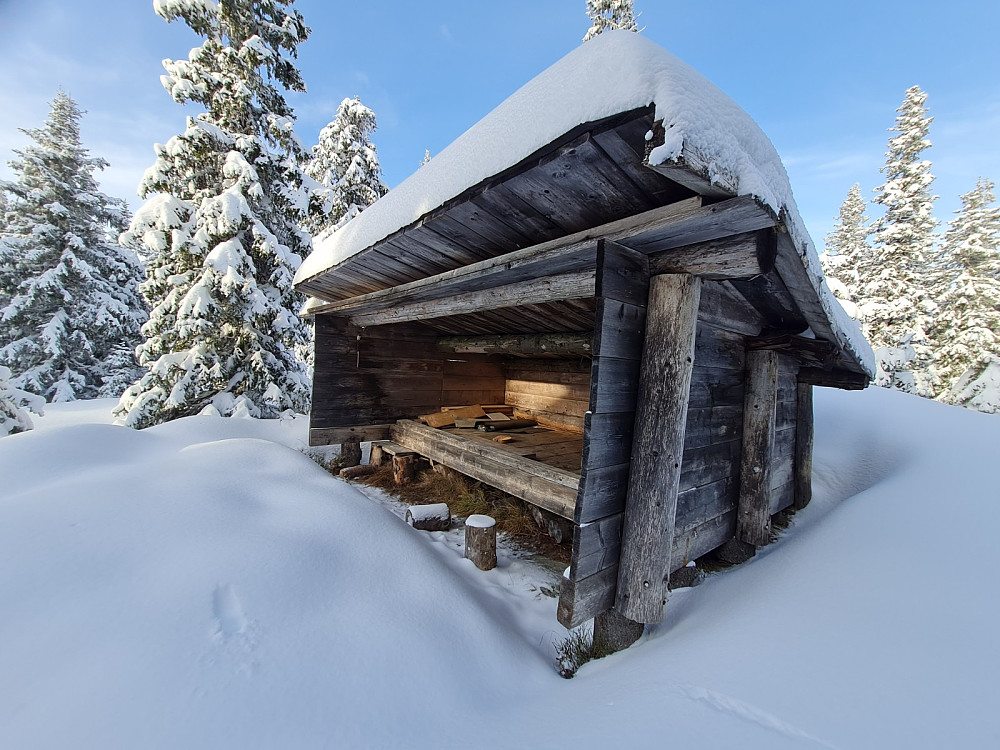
x=613 y=73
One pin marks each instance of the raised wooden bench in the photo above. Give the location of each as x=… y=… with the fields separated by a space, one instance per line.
x=383 y=448
x=546 y=486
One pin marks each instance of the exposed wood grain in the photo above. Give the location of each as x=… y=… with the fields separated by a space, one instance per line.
x=335 y=435
x=845 y=379
x=550 y=488
x=803 y=446
x=658 y=446
x=754 y=517
x=740 y=256
x=577 y=285
x=560 y=344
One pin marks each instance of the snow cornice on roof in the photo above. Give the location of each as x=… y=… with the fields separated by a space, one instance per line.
x=705 y=135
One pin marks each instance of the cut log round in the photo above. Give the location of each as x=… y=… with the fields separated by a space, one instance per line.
x=434 y=517
x=378 y=455
x=481 y=541
x=403 y=468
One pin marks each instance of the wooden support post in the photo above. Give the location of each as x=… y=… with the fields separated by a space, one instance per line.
x=753 y=518
x=403 y=468
x=350 y=453
x=481 y=541
x=615 y=632
x=657 y=446
x=377 y=457
x=803 y=445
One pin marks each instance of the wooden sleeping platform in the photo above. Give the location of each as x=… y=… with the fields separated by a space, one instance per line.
x=540 y=464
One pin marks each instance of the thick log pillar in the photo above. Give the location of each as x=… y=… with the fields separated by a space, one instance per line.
x=615 y=632
x=803 y=445
x=753 y=518
x=657 y=446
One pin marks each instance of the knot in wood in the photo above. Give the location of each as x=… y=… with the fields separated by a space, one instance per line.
x=645 y=584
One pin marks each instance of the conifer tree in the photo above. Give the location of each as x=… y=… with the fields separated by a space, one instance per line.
x=894 y=303
x=225 y=200
x=606 y=15
x=345 y=161
x=69 y=290
x=848 y=249
x=967 y=328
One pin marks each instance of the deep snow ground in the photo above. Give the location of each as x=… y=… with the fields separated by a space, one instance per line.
x=203 y=584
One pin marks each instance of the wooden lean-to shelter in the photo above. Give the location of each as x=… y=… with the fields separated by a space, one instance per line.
x=614 y=252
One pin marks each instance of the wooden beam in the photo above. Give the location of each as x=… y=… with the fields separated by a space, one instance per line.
x=753 y=519
x=561 y=344
x=338 y=435
x=845 y=379
x=741 y=256
x=578 y=285
x=672 y=226
x=657 y=446
x=547 y=487
x=815 y=352
x=803 y=445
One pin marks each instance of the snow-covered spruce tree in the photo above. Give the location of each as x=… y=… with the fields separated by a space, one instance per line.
x=610 y=14
x=848 y=249
x=220 y=226
x=967 y=327
x=893 y=299
x=15 y=405
x=70 y=291
x=346 y=163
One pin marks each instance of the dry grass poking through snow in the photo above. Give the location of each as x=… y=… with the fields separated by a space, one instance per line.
x=466 y=497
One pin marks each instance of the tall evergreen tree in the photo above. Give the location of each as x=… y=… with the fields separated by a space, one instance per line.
x=225 y=201
x=848 y=249
x=610 y=14
x=895 y=306
x=69 y=291
x=967 y=328
x=346 y=163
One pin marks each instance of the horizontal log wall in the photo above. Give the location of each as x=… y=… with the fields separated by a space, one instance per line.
x=554 y=390
x=380 y=374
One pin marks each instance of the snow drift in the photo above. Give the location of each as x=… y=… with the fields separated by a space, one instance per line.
x=203 y=584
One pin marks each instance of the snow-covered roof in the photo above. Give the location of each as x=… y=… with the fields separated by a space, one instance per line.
x=616 y=72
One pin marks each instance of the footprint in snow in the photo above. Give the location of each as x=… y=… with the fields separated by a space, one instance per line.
x=228 y=612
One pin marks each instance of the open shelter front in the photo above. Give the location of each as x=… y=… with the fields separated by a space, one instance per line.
x=661 y=327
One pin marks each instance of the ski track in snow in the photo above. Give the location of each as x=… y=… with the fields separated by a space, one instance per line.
x=747 y=712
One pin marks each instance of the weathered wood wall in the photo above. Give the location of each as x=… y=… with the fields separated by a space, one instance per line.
x=380 y=374
x=554 y=390
x=710 y=470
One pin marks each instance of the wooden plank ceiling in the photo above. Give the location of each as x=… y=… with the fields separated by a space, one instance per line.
x=589 y=177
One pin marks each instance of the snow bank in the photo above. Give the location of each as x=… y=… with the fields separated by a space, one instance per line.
x=200 y=585
x=616 y=72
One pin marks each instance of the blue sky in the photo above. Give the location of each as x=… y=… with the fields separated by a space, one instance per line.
x=823 y=80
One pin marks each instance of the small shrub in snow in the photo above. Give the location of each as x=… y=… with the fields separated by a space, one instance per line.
x=14 y=406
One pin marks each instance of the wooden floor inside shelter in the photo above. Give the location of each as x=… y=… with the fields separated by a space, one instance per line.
x=561 y=449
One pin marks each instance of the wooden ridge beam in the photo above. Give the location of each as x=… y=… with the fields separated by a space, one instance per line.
x=676 y=225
